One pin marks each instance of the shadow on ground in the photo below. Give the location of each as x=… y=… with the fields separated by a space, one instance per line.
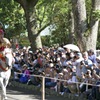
x=35 y=92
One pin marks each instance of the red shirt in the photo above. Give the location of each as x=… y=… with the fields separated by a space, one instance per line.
x=2 y=48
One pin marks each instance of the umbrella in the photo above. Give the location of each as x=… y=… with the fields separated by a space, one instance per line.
x=72 y=47
x=61 y=49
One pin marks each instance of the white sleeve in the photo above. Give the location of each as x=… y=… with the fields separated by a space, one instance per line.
x=35 y=61
x=73 y=78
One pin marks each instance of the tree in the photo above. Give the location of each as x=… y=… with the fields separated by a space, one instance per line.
x=41 y=13
x=33 y=27
x=11 y=15
x=30 y=15
x=86 y=23
x=61 y=19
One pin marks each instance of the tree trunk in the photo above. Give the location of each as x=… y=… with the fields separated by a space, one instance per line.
x=31 y=20
x=79 y=11
x=85 y=39
x=71 y=29
x=94 y=24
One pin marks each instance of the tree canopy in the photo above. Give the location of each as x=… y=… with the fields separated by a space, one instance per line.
x=27 y=16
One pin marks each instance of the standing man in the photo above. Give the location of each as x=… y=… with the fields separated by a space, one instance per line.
x=86 y=63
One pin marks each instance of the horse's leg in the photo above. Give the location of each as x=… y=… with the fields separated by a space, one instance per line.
x=8 y=73
x=4 y=79
x=3 y=94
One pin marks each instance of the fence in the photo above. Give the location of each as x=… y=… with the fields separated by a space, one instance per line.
x=43 y=83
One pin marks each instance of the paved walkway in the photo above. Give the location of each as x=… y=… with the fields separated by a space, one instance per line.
x=18 y=95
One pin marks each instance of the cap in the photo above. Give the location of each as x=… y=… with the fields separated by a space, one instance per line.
x=79 y=54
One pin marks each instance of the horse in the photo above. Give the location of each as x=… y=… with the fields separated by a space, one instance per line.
x=6 y=61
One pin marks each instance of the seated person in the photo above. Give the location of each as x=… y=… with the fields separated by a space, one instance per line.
x=26 y=74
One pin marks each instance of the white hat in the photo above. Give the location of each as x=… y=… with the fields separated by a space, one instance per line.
x=51 y=65
x=61 y=74
x=63 y=56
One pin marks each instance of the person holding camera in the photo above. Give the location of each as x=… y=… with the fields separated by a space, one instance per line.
x=86 y=63
x=95 y=92
x=86 y=67
x=92 y=56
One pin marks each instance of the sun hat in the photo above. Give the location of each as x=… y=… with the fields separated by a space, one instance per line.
x=25 y=65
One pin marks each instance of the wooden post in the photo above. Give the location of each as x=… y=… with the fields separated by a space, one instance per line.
x=78 y=90
x=87 y=86
x=43 y=88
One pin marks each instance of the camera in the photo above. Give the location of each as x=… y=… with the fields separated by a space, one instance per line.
x=82 y=63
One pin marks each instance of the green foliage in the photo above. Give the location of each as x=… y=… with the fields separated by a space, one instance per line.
x=12 y=16
x=98 y=39
x=46 y=40
x=96 y=14
x=58 y=13
x=24 y=41
x=62 y=21
x=44 y=12
x=49 y=11
x=88 y=9
x=55 y=12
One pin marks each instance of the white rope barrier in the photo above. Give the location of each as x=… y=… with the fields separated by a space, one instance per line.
x=43 y=83
x=61 y=79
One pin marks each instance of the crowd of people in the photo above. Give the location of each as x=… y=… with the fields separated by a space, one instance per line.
x=65 y=70
x=62 y=68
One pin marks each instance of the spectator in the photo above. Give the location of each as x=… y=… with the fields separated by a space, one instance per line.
x=86 y=63
x=92 y=56
x=69 y=66
x=25 y=74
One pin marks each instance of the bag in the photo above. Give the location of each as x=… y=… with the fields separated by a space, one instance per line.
x=23 y=79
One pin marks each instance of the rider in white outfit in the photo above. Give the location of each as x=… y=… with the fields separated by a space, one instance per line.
x=5 y=65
